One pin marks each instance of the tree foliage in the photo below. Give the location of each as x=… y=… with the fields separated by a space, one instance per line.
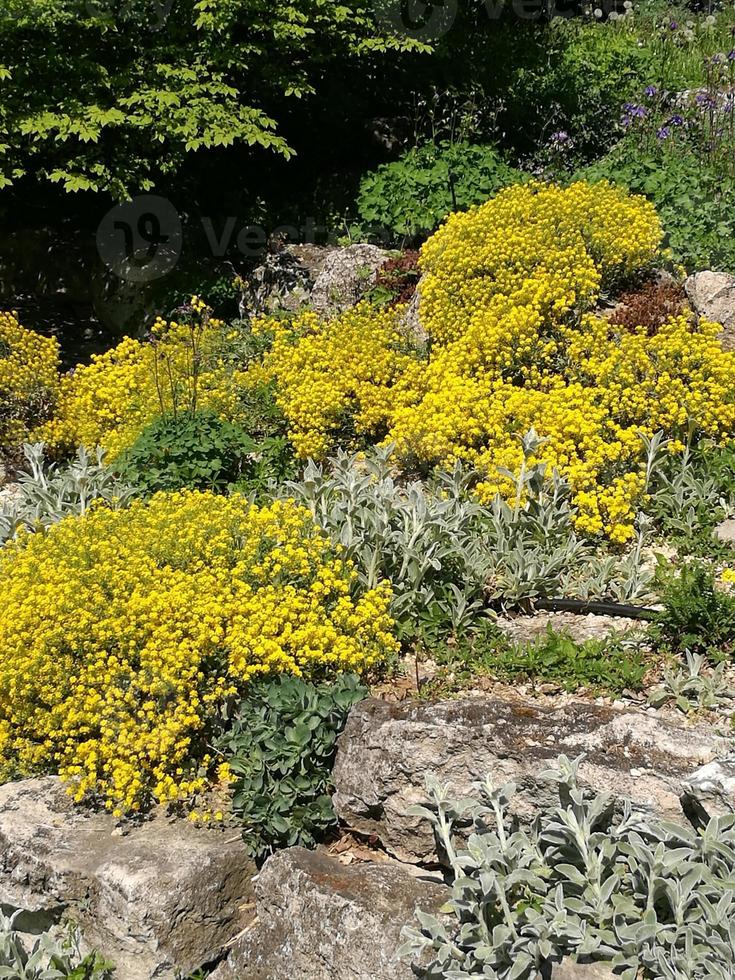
x=110 y=95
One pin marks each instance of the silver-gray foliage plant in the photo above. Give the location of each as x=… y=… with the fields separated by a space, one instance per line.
x=588 y=880
x=437 y=544
x=47 y=492
x=46 y=957
x=695 y=686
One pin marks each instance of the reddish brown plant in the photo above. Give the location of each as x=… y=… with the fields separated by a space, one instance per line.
x=650 y=306
x=400 y=275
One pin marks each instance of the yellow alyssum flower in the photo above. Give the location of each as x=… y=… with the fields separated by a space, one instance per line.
x=506 y=298
x=111 y=400
x=124 y=631
x=29 y=379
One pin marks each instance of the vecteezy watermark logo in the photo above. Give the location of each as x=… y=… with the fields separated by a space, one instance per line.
x=421 y=20
x=140 y=240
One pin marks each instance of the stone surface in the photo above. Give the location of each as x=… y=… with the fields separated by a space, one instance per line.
x=388 y=749
x=328 y=279
x=569 y=970
x=348 y=273
x=712 y=295
x=523 y=629
x=165 y=898
x=321 y=920
x=284 y=280
x=410 y=322
x=710 y=790
x=726 y=531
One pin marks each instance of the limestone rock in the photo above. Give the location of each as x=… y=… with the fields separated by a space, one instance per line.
x=726 y=531
x=165 y=898
x=712 y=295
x=322 y=920
x=569 y=970
x=410 y=322
x=388 y=749
x=527 y=628
x=328 y=279
x=710 y=790
x=284 y=280
x=348 y=273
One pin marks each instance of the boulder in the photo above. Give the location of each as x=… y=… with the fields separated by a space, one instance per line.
x=348 y=273
x=533 y=626
x=388 y=749
x=325 y=278
x=284 y=280
x=159 y=901
x=570 y=970
x=710 y=790
x=410 y=322
x=712 y=296
x=321 y=920
x=725 y=531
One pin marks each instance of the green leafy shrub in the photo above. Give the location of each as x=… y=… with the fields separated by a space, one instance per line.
x=611 y=665
x=122 y=110
x=49 y=492
x=606 y=666
x=651 y=898
x=695 y=201
x=47 y=958
x=280 y=746
x=412 y=196
x=696 y=615
x=188 y=450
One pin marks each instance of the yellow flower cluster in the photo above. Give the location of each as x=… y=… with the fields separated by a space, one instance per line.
x=506 y=298
x=123 y=631
x=336 y=377
x=110 y=401
x=29 y=379
x=539 y=247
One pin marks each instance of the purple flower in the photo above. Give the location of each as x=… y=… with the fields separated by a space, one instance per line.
x=663 y=133
x=676 y=120
x=717 y=59
x=704 y=100
x=651 y=90
x=674 y=26
x=731 y=55
x=635 y=111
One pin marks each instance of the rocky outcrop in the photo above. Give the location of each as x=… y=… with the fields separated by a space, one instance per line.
x=159 y=902
x=388 y=749
x=712 y=296
x=410 y=322
x=725 y=531
x=710 y=791
x=569 y=970
x=322 y=920
x=327 y=279
x=347 y=275
x=284 y=280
